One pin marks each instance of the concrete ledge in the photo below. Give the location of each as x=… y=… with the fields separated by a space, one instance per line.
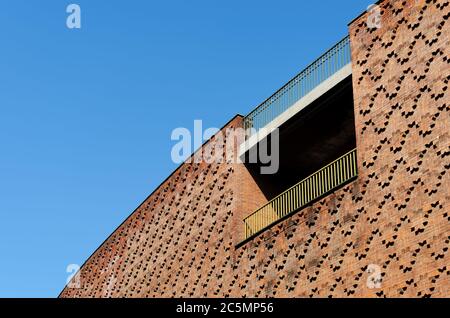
x=302 y=103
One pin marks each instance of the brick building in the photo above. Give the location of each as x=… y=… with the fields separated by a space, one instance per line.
x=361 y=211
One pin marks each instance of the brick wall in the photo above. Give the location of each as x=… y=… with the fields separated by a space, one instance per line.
x=180 y=237
x=393 y=220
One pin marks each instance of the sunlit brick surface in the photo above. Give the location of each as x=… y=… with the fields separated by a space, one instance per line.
x=181 y=241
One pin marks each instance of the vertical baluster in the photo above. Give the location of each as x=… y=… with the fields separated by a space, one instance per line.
x=346 y=168
x=291 y=200
x=355 y=167
x=317 y=185
x=245 y=231
x=336 y=179
x=249 y=224
x=350 y=166
x=333 y=176
x=305 y=189
x=330 y=175
x=320 y=185
x=350 y=158
x=280 y=205
x=257 y=223
x=322 y=181
x=293 y=190
x=347 y=163
x=295 y=197
x=299 y=87
x=339 y=165
x=285 y=207
x=300 y=195
x=263 y=219
x=338 y=173
x=322 y=67
x=288 y=207
x=314 y=186
x=266 y=217
x=280 y=202
x=288 y=203
x=309 y=190
x=286 y=199
x=303 y=193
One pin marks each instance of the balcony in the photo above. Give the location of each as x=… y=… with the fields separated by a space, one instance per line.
x=299 y=93
x=314 y=116
x=316 y=73
x=315 y=186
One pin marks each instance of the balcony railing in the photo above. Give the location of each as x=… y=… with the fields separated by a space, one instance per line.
x=313 y=187
x=317 y=72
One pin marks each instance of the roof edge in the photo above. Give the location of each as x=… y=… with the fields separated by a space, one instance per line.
x=152 y=193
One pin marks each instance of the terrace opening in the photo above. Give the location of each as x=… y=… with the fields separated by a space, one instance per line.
x=309 y=141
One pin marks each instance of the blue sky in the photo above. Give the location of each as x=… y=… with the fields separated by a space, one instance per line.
x=86 y=115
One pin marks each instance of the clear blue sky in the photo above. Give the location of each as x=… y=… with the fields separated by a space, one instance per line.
x=86 y=115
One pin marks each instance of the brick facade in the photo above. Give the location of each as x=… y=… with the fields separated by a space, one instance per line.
x=393 y=219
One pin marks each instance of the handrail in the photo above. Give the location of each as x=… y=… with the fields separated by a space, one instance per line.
x=326 y=179
x=322 y=68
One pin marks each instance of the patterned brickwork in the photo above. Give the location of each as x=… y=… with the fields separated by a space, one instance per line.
x=393 y=220
x=401 y=74
x=179 y=241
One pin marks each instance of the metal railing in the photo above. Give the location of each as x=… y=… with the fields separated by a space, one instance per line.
x=317 y=72
x=316 y=185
